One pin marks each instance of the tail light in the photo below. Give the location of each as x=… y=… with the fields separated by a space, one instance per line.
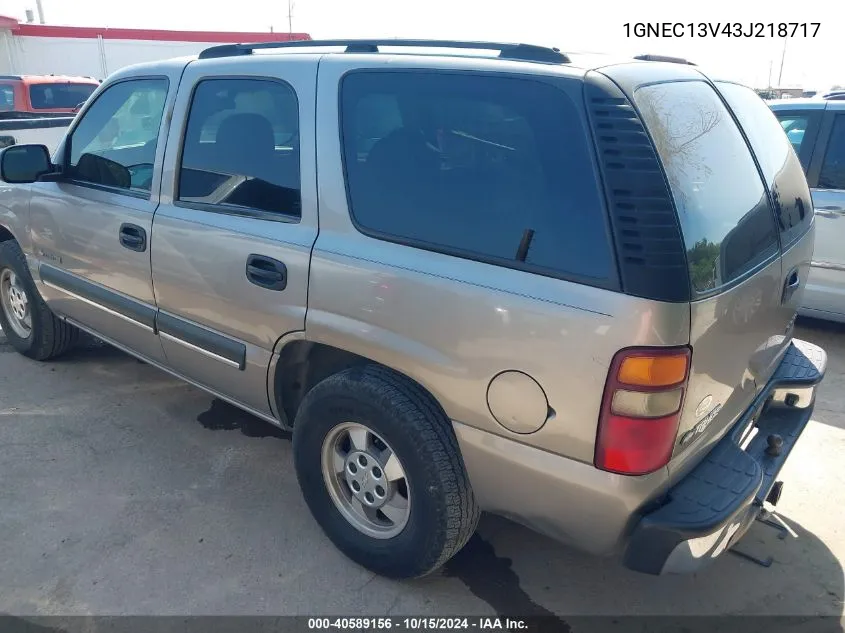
x=641 y=408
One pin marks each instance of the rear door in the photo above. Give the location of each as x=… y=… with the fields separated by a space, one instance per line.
x=740 y=318
x=238 y=217
x=825 y=294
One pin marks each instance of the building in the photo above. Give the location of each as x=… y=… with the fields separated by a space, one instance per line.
x=40 y=49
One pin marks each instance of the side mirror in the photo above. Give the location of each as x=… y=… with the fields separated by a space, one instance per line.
x=20 y=164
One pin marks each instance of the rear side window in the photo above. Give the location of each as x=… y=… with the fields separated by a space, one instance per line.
x=66 y=96
x=484 y=167
x=241 y=149
x=778 y=160
x=832 y=175
x=723 y=209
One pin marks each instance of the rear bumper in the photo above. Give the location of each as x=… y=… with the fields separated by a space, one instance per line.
x=712 y=507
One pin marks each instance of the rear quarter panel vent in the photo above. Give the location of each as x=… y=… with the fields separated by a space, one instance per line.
x=646 y=232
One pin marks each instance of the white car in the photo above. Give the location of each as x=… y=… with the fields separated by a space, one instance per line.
x=816 y=129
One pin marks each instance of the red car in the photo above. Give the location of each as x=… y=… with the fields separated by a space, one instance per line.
x=44 y=94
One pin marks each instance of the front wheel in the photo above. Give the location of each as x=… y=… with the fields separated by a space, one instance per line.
x=380 y=469
x=29 y=325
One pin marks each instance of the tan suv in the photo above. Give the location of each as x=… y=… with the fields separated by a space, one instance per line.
x=557 y=288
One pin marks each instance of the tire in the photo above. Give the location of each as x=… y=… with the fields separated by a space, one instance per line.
x=48 y=336
x=443 y=513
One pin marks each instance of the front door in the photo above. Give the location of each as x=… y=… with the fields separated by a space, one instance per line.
x=91 y=229
x=232 y=238
x=826 y=287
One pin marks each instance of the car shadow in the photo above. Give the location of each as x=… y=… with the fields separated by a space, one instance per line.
x=520 y=573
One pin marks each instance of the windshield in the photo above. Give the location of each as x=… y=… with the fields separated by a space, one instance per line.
x=53 y=96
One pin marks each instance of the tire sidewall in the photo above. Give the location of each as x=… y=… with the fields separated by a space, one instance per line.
x=418 y=545
x=13 y=258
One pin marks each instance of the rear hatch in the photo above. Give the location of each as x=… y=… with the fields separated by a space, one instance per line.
x=736 y=207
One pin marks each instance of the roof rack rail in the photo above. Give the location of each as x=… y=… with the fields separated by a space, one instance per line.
x=834 y=95
x=521 y=52
x=663 y=58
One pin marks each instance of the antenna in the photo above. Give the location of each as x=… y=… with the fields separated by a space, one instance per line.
x=291 y=5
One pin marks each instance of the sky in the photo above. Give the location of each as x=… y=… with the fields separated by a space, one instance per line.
x=814 y=63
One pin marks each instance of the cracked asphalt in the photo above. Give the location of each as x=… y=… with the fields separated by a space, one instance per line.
x=125 y=491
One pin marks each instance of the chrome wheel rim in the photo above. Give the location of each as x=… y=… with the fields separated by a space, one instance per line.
x=15 y=303
x=366 y=480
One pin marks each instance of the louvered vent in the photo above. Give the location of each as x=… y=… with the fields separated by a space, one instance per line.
x=649 y=245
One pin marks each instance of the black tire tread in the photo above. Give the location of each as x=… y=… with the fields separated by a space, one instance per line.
x=53 y=336
x=422 y=415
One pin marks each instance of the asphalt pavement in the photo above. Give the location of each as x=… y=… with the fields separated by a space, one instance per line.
x=125 y=491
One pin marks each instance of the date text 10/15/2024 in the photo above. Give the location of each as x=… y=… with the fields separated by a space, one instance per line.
x=721 y=29
x=420 y=623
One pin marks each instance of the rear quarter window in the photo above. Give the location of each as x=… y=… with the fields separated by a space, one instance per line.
x=724 y=212
x=485 y=167
x=776 y=153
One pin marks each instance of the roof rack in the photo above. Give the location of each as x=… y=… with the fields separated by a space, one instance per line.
x=663 y=58
x=521 y=52
x=835 y=95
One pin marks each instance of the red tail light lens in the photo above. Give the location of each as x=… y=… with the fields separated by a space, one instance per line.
x=641 y=409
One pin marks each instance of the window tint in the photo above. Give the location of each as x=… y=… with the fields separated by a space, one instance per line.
x=489 y=168
x=7 y=98
x=832 y=175
x=241 y=148
x=724 y=212
x=780 y=165
x=48 y=96
x=115 y=143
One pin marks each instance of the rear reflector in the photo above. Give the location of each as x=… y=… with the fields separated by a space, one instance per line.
x=641 y=409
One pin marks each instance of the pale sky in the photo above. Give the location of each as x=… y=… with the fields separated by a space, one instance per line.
x=813 y=63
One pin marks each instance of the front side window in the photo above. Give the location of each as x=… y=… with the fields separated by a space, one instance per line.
x=59 y=96
x=7 y=98
x=484 y=167
x=832 y=175
x=795 y=127
x=241 y=148
x=114 y=144
x=722 y=205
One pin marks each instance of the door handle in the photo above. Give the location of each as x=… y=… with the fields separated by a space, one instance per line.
x=792 y=283
x=266 y=272
x=830 y=211
x=133 y=237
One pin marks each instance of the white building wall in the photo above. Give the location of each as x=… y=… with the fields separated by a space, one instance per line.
x=28 y=55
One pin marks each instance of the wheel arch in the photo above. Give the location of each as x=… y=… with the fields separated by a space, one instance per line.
x=301 y=364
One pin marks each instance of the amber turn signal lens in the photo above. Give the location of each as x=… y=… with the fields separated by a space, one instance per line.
x=653 y=371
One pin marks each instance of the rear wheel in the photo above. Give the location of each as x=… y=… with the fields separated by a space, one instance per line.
x=380 y=469
x=29 y=325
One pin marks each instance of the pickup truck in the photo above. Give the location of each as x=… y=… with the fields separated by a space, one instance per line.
x=21 y=128
x=552 y=286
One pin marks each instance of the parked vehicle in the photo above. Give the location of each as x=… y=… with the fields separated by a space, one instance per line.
x=42 y=94
x=536 y=284
x=816 y=129
x=24 y=128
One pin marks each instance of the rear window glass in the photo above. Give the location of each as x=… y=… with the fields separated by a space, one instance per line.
x=485 y=167
x=778 y=160
x=50 y=96
x=722 y=205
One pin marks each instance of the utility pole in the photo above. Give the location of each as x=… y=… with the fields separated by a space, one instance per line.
x=291 y=4
x=770 y=76
x=782 y=57
x=40 y=10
